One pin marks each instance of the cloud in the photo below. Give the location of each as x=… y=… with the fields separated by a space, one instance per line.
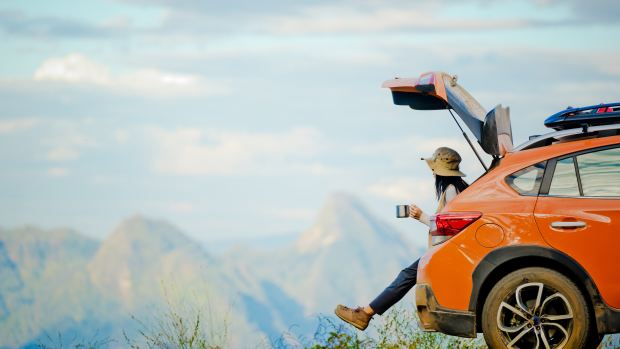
x=17 y=23
x=340 y=19
x=121 y=136
x=228 y=7
x=73 y=68
x=58 y=172
x=76 y=68
x=63 y=153
x=592 y=11
x=181 y=207
x=16 y=125
x=292 y=214
x=403 y=156
x=192 y=151
x=404 y=189
x=66 y=142
x=195 y=18
x=412 y=144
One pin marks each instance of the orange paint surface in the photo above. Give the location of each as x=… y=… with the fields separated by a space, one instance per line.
x=525 y=220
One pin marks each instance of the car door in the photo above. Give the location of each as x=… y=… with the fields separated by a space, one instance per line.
x=578 y=213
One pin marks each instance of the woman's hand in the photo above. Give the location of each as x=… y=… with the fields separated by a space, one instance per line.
x=414 y=211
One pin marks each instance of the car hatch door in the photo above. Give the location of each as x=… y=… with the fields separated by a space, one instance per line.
x=438 y=90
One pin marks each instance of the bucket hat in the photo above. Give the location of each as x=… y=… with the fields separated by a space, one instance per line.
x=445 y=162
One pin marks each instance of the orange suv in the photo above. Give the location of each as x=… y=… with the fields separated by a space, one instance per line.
x=527 y=254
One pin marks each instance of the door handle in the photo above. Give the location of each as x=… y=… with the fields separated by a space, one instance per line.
x=568 y=225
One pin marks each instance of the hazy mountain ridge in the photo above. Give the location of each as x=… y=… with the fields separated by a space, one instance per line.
x=347 y=256
x=60 y=280
x=42 y=264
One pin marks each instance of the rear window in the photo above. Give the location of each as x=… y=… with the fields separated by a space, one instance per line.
x=527 y=181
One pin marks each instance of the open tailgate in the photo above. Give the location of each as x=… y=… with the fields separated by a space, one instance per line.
x=438 y=90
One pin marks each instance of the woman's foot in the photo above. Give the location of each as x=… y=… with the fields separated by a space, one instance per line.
x=356 y=317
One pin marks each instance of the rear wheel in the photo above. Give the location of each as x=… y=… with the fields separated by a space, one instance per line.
x=536 y=308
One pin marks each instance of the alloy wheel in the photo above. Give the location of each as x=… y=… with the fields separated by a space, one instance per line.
x=535 y=316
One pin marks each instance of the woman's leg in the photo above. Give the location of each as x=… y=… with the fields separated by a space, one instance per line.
x=405 y=280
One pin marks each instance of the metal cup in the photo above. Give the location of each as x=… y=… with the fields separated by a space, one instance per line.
x=402 y=211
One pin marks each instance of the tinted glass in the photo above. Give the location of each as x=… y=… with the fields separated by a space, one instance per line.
x=564 y=181
x=600 y=173
x=527 y=181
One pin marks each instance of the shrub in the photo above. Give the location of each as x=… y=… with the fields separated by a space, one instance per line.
x=397 y=329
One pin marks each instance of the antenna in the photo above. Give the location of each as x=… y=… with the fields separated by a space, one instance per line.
x=486 y=169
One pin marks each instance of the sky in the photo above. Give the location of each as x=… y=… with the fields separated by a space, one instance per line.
x=237 y=119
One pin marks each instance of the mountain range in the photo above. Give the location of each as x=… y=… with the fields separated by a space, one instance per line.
x=60 y=281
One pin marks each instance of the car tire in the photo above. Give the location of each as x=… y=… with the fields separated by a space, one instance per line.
x=536 y=308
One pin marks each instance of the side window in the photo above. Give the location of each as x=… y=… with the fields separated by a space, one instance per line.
x=527 y=181
x=564 y=181
x=600 y=173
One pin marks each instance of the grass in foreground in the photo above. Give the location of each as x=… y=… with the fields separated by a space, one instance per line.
x=396 y=330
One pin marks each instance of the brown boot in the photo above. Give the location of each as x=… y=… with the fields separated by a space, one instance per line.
x=356 y=317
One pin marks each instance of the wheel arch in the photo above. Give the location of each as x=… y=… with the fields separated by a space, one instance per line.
x=498 y=263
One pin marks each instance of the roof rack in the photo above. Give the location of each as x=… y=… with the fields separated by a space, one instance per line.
x=594 y=115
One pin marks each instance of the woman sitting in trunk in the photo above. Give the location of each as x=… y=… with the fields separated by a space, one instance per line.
x=448 y=183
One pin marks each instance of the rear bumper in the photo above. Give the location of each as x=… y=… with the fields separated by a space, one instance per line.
x=434 y=317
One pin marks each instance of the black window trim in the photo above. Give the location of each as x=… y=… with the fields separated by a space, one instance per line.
x=547 y=176
x=578 y=176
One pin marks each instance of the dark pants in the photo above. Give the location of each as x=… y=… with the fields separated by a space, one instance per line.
x=405 y=281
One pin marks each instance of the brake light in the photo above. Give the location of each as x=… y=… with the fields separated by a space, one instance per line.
x=450 y=224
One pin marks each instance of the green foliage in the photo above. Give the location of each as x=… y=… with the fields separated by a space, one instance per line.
x=399 y=330
x=60 y=342
x=179 y=329
x=395 y=330
x=336 y=336
x=184 y=328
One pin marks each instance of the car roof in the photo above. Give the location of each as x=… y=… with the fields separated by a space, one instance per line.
x=525 y=157
x=574 y=134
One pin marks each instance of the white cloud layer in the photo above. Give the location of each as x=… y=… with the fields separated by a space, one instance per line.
x=77 y=68
x=17 y=124
x=66 y=142
x=405 y=189
x=192 y=151
x=73 y=68
x=400 y=151
x=345 y=19
x=58 y=172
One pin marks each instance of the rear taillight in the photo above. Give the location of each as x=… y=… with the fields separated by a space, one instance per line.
x=450 y=224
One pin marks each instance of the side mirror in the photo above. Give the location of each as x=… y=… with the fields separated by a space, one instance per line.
x=496 y=132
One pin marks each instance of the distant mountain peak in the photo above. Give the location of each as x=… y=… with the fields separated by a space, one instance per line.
x=342 y=203
x=137 y=249
x=146 y=230
x=343 y=218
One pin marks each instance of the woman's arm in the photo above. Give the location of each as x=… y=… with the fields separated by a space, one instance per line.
x=425 y=219
x=417 y=213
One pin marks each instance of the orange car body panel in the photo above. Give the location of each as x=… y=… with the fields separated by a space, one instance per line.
x=513 y=219
x=413 y=85
x=595 y=246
